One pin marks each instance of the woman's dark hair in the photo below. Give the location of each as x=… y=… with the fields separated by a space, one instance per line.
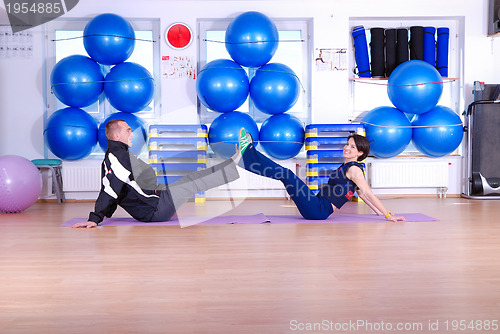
x=362 y=144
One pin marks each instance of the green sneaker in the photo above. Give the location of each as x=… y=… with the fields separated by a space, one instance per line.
x=244 y=140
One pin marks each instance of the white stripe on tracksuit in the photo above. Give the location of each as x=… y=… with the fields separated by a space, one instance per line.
x=123 y=175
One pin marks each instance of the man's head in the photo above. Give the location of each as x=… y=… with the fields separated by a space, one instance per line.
x=119 y=130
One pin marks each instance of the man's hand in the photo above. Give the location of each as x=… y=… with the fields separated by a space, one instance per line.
x=88 y=224
x=396 y=218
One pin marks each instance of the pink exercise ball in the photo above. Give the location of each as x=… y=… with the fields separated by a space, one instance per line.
x=20 y=183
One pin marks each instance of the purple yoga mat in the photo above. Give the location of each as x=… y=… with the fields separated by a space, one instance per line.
x=257 y=219
x=185 y=221
x=350 y=218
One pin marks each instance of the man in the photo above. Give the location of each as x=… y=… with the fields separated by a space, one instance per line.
x=131 y=183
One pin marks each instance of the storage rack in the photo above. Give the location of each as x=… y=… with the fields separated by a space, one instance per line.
x=324 y=150
x=177 y=150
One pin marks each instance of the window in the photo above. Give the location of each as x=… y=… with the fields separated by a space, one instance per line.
x=294 y=50
x=64 y=38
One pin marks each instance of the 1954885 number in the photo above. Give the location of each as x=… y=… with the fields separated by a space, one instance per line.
x=35 y=8
x=473 y=325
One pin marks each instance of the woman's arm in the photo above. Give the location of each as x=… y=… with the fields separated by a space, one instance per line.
x=366 y=199
x=356 y=175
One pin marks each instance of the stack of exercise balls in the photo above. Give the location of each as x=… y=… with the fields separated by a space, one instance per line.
x=414 y=89
x=78 y=81
x=223 y=86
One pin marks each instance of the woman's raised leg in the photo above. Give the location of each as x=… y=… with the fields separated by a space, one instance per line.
x=310 y=206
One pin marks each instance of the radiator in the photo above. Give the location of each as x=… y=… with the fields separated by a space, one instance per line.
x=418 y=174
x=380 y=175
x=88 y=178
x=81 y=178
x=250 y=181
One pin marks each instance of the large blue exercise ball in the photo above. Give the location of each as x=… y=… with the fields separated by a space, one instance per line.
x=129 y=87
x=71 y=133
x=77 y=81
x=388 y=130
x=275 y=88
x=222 y=85
x=225 y=129
x=252 y=39
x=415 y=87
x=282 y=136
x=109 y=39
x=438 y=132
x=137 y=127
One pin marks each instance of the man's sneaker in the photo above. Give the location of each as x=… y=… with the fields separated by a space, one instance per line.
x=244 y=140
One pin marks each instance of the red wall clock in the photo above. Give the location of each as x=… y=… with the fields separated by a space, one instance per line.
x=178 y=36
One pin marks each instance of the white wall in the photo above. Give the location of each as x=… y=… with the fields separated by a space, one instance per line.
x=22 y=88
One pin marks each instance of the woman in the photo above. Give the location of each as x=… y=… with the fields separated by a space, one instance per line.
x=341 y=185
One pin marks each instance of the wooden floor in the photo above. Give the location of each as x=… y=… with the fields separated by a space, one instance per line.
x=282 y=278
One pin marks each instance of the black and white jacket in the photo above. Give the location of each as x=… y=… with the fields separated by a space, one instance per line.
x=120 y=187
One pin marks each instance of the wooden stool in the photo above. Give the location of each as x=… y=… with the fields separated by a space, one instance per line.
x=55 y=166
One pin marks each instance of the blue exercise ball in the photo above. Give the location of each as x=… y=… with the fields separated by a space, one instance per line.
x=109 y=39
x=388 y=130
x=137 y=126
x=415 y=87
x=252 y=39
x=129 y=87
x=225 y=129
x=71 y=133
x=77 y=81
x=282 y=136
x=275 y=88
x=438 y=132
x=222 y=85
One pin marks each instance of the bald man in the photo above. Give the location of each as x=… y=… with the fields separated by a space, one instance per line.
x=129 y=182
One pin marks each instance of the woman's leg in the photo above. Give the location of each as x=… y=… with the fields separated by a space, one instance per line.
x=183 y=190
x=310 y=206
